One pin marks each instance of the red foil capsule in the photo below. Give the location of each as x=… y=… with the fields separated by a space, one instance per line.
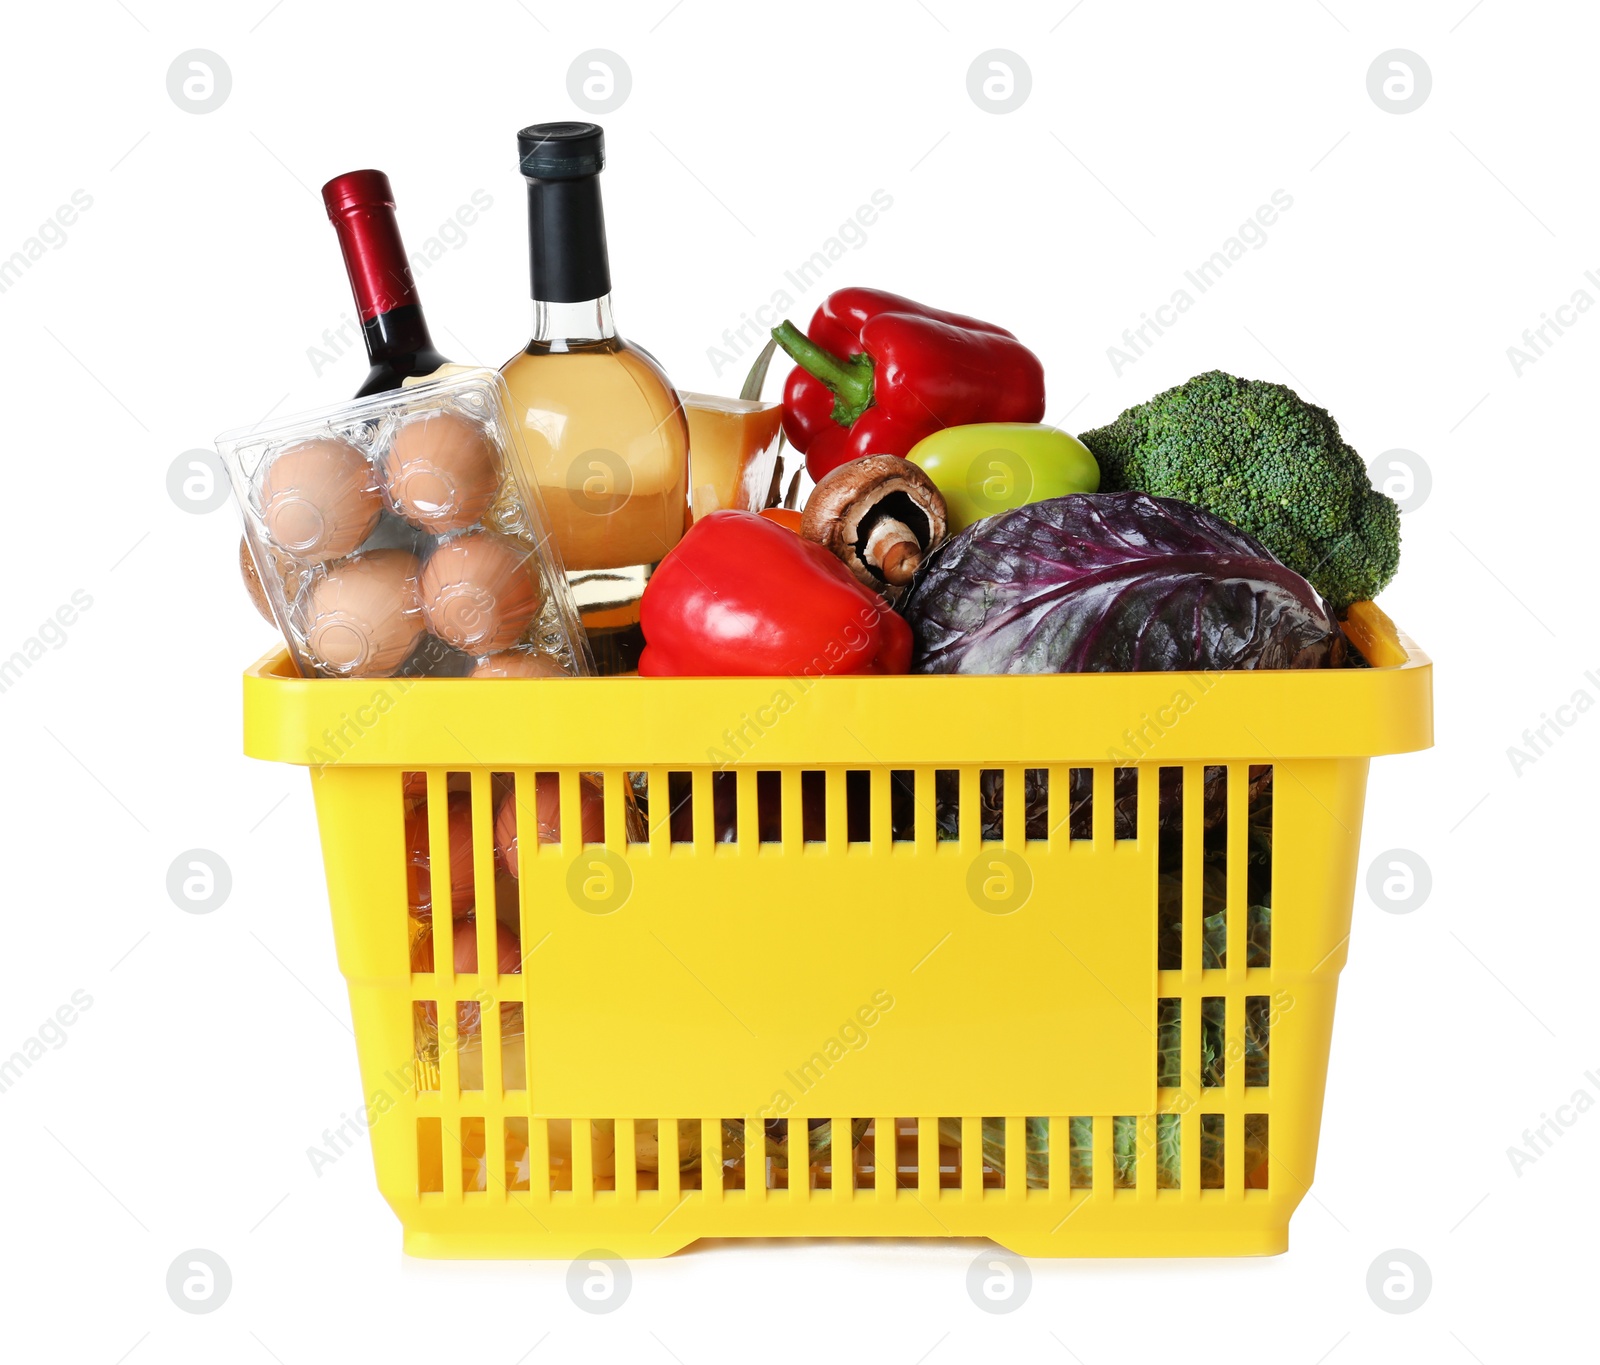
x=361 y=207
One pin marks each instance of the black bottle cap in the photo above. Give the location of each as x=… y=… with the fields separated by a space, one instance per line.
x=561 y=151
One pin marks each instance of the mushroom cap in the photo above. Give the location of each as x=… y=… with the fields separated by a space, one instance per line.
x=854 y=499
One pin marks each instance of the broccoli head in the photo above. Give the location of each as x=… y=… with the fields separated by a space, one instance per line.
x=1258 y=455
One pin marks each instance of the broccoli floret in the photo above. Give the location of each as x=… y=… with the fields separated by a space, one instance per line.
x=1259 y=456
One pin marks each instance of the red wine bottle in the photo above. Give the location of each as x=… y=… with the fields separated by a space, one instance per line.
x=361 y=206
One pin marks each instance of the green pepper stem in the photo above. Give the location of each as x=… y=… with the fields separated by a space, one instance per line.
x=849 y=380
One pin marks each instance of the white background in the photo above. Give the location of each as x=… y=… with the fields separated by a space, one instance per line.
x=179 y=1110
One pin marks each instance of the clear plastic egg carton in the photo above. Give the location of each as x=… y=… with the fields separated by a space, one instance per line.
x=399 y=535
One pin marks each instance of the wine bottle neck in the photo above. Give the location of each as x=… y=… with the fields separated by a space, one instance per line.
x=568 y=262
x=590 y=320
x=400 y=332
x=375 y=259
x=361 y=207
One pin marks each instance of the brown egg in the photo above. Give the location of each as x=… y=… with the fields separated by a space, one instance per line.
x=361 y=617
x=419 y=880
x=289 y=574
x=518 y=663
x=252 y=581
x=547 y=814
x=505 y=827
x=480 y=591
x=319 y=499
x=441 y=471
x=415 y=785
x=464 y=950
x=508 y=951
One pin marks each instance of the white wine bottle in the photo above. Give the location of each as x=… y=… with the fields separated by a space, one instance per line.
x=607 y=439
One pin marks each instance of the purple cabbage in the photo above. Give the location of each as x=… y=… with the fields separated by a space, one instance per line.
x=1110 y=583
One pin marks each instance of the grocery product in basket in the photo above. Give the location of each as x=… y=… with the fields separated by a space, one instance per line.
x=402 y=540
x=360 y=616
x=414 y=787
x=1125 y=1152
x=518 y=663
x=252 y=581
x=464 y=947
x=733 y=450
x=875 y=373
x=1113 y=582
x=419 y=876
x=319 y=498
x=440 y=472
x=606 y=437
x=880 y=516
x=790 y=518
x=543 y=816
x=1368 y=627
x=819 y=1140
x=989 y=467
x=691 y=1152
x=480 y=591
x=1259 y=456
x=1214 y=872
x=465 y=1036
x=769 y=797
x=742 y=595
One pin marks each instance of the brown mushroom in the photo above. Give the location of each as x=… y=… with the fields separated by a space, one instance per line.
x=881 y=515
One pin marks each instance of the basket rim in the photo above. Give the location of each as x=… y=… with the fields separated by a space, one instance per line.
x=903 y=721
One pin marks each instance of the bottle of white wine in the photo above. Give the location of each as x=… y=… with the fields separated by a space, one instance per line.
x=606 y=435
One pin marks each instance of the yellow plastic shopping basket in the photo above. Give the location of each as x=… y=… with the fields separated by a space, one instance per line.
x=1049 y=960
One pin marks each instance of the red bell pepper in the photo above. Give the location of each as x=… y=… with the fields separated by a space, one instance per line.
x=878 y=373
x=741 y=595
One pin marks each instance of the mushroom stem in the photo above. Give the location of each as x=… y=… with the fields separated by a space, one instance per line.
x=894 y=548
x=881 y=515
